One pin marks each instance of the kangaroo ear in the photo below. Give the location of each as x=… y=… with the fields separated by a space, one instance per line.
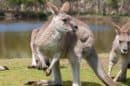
x=65 y=7
x=54 y=9
x=117 y=28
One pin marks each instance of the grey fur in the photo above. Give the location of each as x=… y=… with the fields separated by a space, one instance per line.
x=74 y=41
x=120 y=50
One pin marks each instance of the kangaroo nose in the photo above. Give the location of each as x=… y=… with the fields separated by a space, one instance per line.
x=75 y=28
x=125 y=50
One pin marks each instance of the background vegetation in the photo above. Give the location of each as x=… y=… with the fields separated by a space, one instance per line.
x=103 y=7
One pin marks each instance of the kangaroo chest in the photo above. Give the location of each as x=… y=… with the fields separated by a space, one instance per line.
x=52 y=44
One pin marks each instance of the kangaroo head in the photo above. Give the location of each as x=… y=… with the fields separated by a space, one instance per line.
x=123 y=39
x=61 y=20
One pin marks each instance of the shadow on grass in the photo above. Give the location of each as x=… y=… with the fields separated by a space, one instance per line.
x=84 y=83
x=62 y=67
x=65 y=83
x=127 y=82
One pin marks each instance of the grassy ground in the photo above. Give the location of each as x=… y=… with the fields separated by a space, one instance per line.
x=19 y=74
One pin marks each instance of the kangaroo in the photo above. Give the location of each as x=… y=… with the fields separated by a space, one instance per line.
x=2 y=68
x=120 y=50
x=69 y=37
x=36 y=63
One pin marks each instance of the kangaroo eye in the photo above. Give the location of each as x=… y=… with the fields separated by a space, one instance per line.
x=120 y=41
x=128 y=42
x=76 y=27
x=64 y=20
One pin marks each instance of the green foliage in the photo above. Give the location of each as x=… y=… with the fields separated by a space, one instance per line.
x=27 y=2
x=2 y=13
x=14 y=2
x=113 y=3
x=41 y=1
x=30 y=2
x=42 y=15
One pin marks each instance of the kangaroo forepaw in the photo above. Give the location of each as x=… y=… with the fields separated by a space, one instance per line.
x=48 y=72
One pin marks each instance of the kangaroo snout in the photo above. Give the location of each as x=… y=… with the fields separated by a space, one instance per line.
x=124 y=51
x=75 y=27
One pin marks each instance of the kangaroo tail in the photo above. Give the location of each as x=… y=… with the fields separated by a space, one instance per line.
x=96 y=65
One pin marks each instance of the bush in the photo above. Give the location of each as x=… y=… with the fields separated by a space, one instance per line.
x=42 y=15
x=2 y=13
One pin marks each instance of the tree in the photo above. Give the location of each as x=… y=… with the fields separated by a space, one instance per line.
x=113 y=3
x=20 y=4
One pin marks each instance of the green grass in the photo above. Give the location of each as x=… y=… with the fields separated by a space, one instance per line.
x=19 y=74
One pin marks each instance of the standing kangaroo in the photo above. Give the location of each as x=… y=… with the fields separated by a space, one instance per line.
x=120 y=48
x=69 y=37
x=36 y=63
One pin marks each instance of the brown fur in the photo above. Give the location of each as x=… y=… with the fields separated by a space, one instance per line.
x=126 y=27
